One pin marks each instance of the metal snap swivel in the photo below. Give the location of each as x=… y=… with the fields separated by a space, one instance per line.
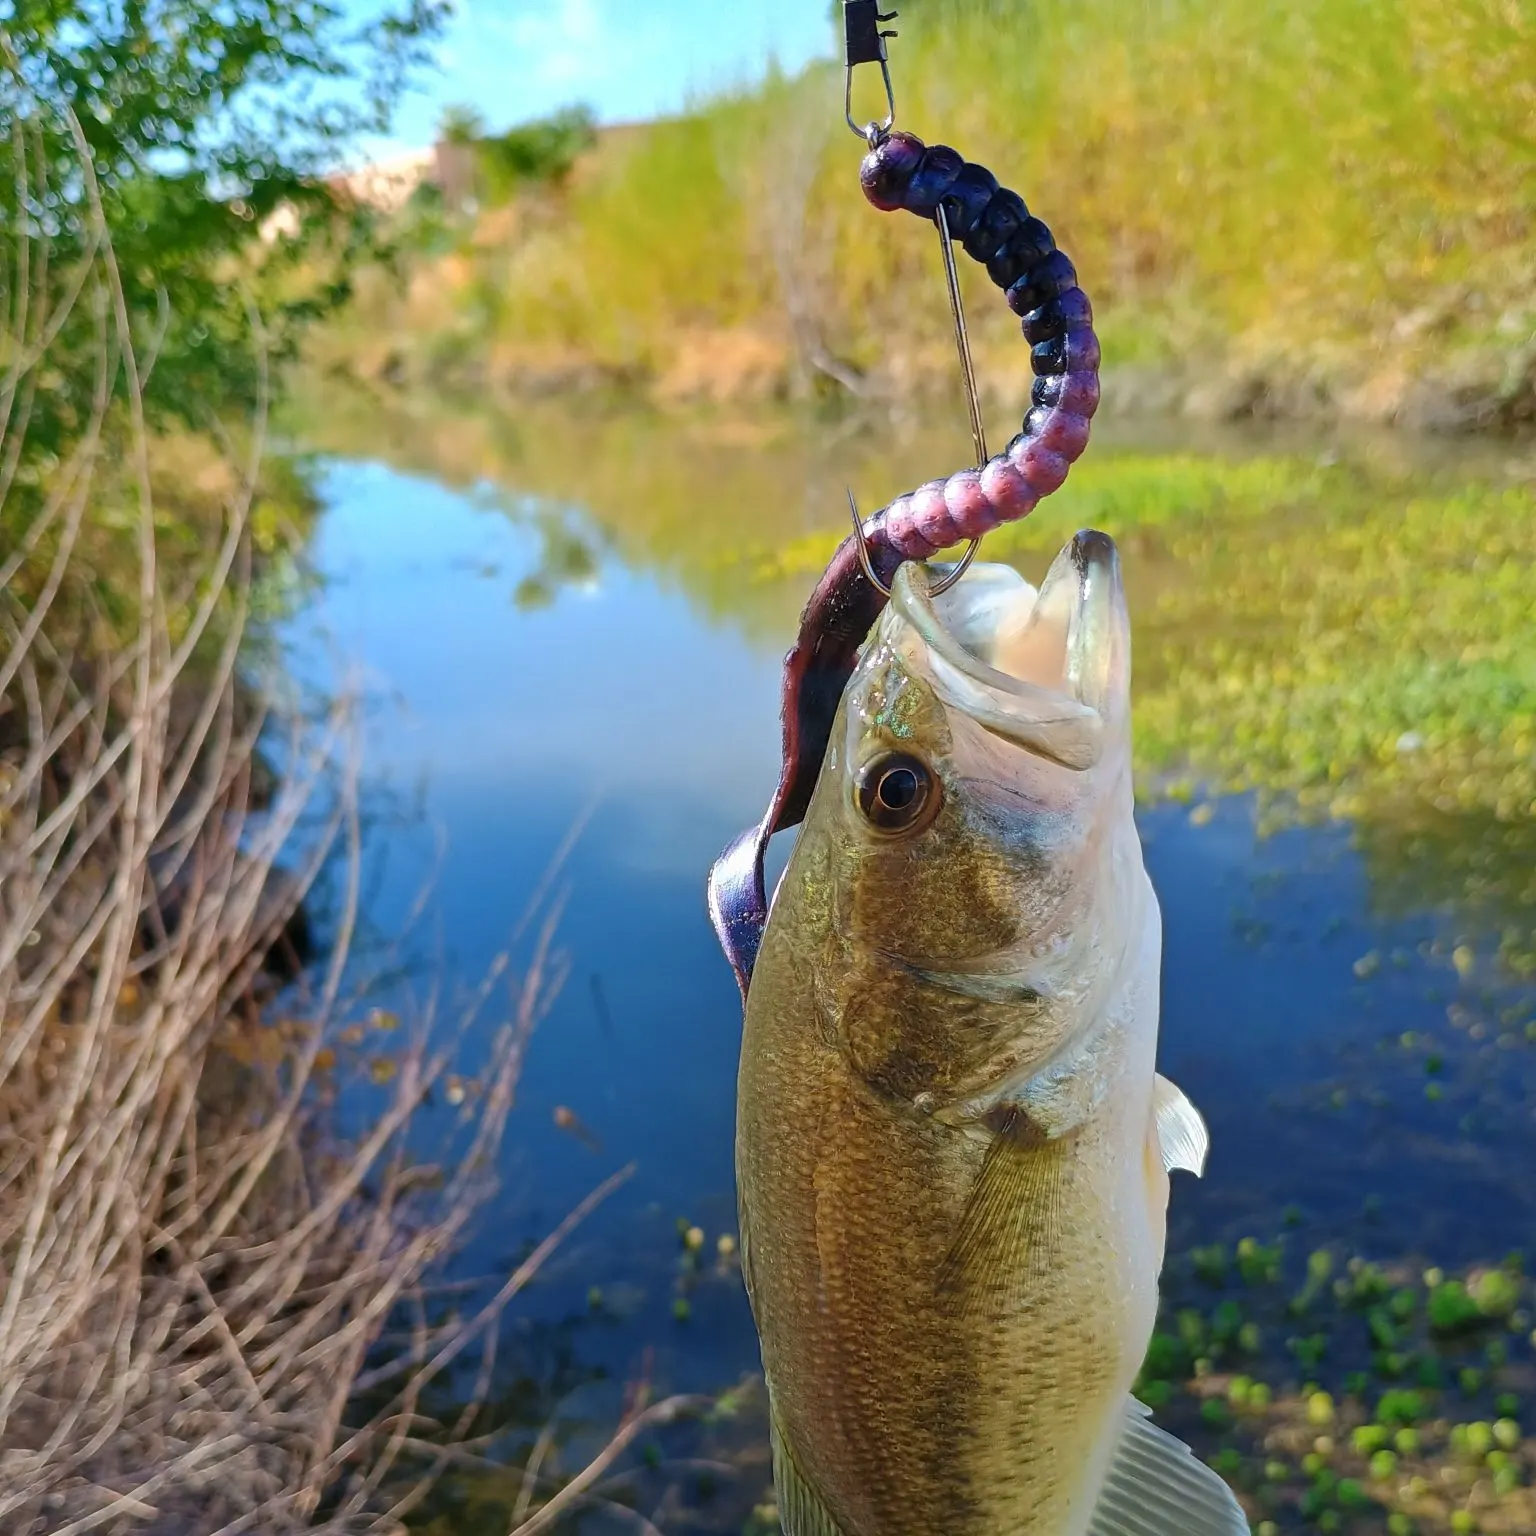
x=864 y=43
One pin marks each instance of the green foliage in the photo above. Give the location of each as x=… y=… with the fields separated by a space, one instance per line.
x=1281 y=182
x=539 y=153
x=163 y=135
x=461 y=124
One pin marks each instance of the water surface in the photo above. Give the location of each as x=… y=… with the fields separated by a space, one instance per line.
x=545 y=646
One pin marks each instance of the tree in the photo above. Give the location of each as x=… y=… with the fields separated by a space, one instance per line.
x=538 y=153
x=461 y=124
x=173 y=128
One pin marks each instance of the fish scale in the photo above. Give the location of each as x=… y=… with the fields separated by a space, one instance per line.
x=966 y=1459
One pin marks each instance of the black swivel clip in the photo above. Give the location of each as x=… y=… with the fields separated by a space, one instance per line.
x=864 y=43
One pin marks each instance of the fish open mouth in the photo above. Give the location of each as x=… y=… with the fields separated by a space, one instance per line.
x=1046 y=668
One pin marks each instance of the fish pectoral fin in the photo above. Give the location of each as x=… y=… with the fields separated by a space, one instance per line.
x=801 y=1511
x=1181 y=1132
x=1010 y=1233
x=1156 y=1487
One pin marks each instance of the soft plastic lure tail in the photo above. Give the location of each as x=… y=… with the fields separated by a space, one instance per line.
x=994 y=227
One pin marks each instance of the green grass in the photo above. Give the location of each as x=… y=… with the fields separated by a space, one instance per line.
x=1122 y=493
x=1343 y=188
x=1352 y=627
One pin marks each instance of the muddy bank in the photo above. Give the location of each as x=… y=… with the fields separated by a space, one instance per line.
x=1478 y=391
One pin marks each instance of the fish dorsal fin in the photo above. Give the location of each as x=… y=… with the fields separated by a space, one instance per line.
x=1156 y=1487
x=1181 y=1133
x=801 y=1512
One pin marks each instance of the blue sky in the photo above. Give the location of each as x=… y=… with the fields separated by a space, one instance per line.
x=627 y=59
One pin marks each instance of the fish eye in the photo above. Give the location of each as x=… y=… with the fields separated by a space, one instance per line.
x=898 y=793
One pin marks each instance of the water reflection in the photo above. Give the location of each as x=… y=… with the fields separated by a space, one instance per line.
x=577 y=647
x=612 y=701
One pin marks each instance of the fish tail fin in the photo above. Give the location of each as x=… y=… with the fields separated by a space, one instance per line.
x=1156 y=1487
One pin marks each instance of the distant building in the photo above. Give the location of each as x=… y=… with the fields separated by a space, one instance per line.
x=388 y=184
x=383 y=184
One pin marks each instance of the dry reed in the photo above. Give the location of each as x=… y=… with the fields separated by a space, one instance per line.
x=196 y=1264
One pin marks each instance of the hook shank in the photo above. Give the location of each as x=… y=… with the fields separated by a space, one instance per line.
x=962 y=338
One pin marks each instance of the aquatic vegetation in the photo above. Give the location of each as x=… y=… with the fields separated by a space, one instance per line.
x=1257 y=1263
x=1404 y=670
x=1452 y=1309
x=1127 y=494
x=1346 y=638
x=1403 y=675
x=1345 y=645
x=1323 y=1444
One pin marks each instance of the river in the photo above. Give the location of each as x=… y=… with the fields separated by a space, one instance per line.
x=546 y=643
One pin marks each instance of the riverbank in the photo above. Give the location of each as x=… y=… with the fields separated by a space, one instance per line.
x=212 y=1207
x=1325 y=214
x=199 y=1250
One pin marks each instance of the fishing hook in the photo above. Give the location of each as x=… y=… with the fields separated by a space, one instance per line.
x=864 y=43
x=962 y=337
x=973 y=404
x=862 y=545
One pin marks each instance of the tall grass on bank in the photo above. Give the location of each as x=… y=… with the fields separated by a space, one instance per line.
x=1339 y=195
x=198 y=1260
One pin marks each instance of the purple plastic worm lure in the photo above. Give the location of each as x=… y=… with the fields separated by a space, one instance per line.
x=1040 y=284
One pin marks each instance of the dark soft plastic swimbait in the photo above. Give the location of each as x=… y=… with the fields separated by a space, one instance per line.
x=994 y=227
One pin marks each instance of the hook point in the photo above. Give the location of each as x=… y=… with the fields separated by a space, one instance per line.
x=862 y=545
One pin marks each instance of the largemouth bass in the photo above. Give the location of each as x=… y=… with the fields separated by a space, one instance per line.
x=953 y=1146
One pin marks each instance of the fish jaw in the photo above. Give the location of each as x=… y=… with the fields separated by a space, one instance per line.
x=1048 y=669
